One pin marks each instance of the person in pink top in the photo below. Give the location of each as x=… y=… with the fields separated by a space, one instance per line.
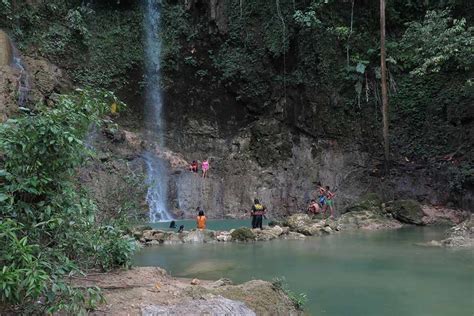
x=205 y=168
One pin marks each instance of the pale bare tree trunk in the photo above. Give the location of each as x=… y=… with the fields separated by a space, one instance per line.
x=383 y=71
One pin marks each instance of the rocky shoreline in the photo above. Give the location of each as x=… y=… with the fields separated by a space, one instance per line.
x=369 y=214
x=459 y=236
x=151 y=291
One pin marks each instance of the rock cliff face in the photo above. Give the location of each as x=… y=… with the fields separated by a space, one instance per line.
x=269 y=161
x=6 y=54
x=35 y=81
x=258 y=164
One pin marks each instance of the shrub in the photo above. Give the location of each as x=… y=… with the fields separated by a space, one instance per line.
x=299 y=300
x=48 y=229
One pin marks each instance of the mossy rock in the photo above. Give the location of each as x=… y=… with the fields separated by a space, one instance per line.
x=137 y=231
x=368 y=202
x=406 y=211
x=243 y=234
x=371 y=199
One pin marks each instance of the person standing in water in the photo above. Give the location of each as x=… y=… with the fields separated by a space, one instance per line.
x=205 y=168
x=258 y=210
x=201 y=220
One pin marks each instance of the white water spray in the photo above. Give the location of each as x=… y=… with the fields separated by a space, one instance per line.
x=23 y=78
x=157 y=179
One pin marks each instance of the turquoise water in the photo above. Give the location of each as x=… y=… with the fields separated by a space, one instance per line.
x=212 y=224
x=362 y=273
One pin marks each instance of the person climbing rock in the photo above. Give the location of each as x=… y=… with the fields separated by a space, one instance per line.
x=201 y=220
x=194 y=166
x=322 y=197
x=205 y=168
x=258 y=211
x=330 y=201
x=313 y=207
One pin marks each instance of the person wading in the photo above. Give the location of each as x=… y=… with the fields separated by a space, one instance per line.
x=258 y=210
x=201 y=220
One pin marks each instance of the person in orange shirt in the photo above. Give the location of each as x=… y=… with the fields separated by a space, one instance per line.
x=201 y=220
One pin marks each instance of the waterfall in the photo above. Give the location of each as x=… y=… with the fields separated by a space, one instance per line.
x=13 y=58
x=23 y=80
x=157 y=179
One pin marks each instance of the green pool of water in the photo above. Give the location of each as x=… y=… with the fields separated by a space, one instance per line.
x=212 y=224
x=361 y=273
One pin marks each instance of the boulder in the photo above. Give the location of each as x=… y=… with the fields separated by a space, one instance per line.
x=8 y=91
x=200 y=236
x=277 y=230
x=152 y=234
x=265 y=234
x=6 y=49
x=39 y=84
x=303 y=224
x=46 y=79
x=366 y=220
x=294 y=236
x=370 y=201
x=175 y=238
x=297 y=221
x=224 y=236
x=137 y=231
x=327 y=229
x=406 y=211
x=436 y=215
x=461 y=236
x=243 y=234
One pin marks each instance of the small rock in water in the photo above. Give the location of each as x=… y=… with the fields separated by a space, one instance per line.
x=327 y=229
x=195 y=282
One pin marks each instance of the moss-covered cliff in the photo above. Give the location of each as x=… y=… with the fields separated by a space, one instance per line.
x=261 y=84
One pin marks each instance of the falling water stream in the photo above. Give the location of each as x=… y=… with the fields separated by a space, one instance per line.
x=156 y=169
x=23 y=80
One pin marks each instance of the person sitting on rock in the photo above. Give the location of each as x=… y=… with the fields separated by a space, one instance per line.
x=258 y=211
x=201 y=220
x=330 y=201
x=194 y=166
x=313 y=207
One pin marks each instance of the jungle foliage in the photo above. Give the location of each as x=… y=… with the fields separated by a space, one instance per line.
x=48 y=227
x=322 y=57
x=98 y=43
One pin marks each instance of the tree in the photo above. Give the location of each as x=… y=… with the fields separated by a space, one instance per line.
x=384 y=83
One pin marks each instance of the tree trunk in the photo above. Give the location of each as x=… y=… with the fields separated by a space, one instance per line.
x=383 y=71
